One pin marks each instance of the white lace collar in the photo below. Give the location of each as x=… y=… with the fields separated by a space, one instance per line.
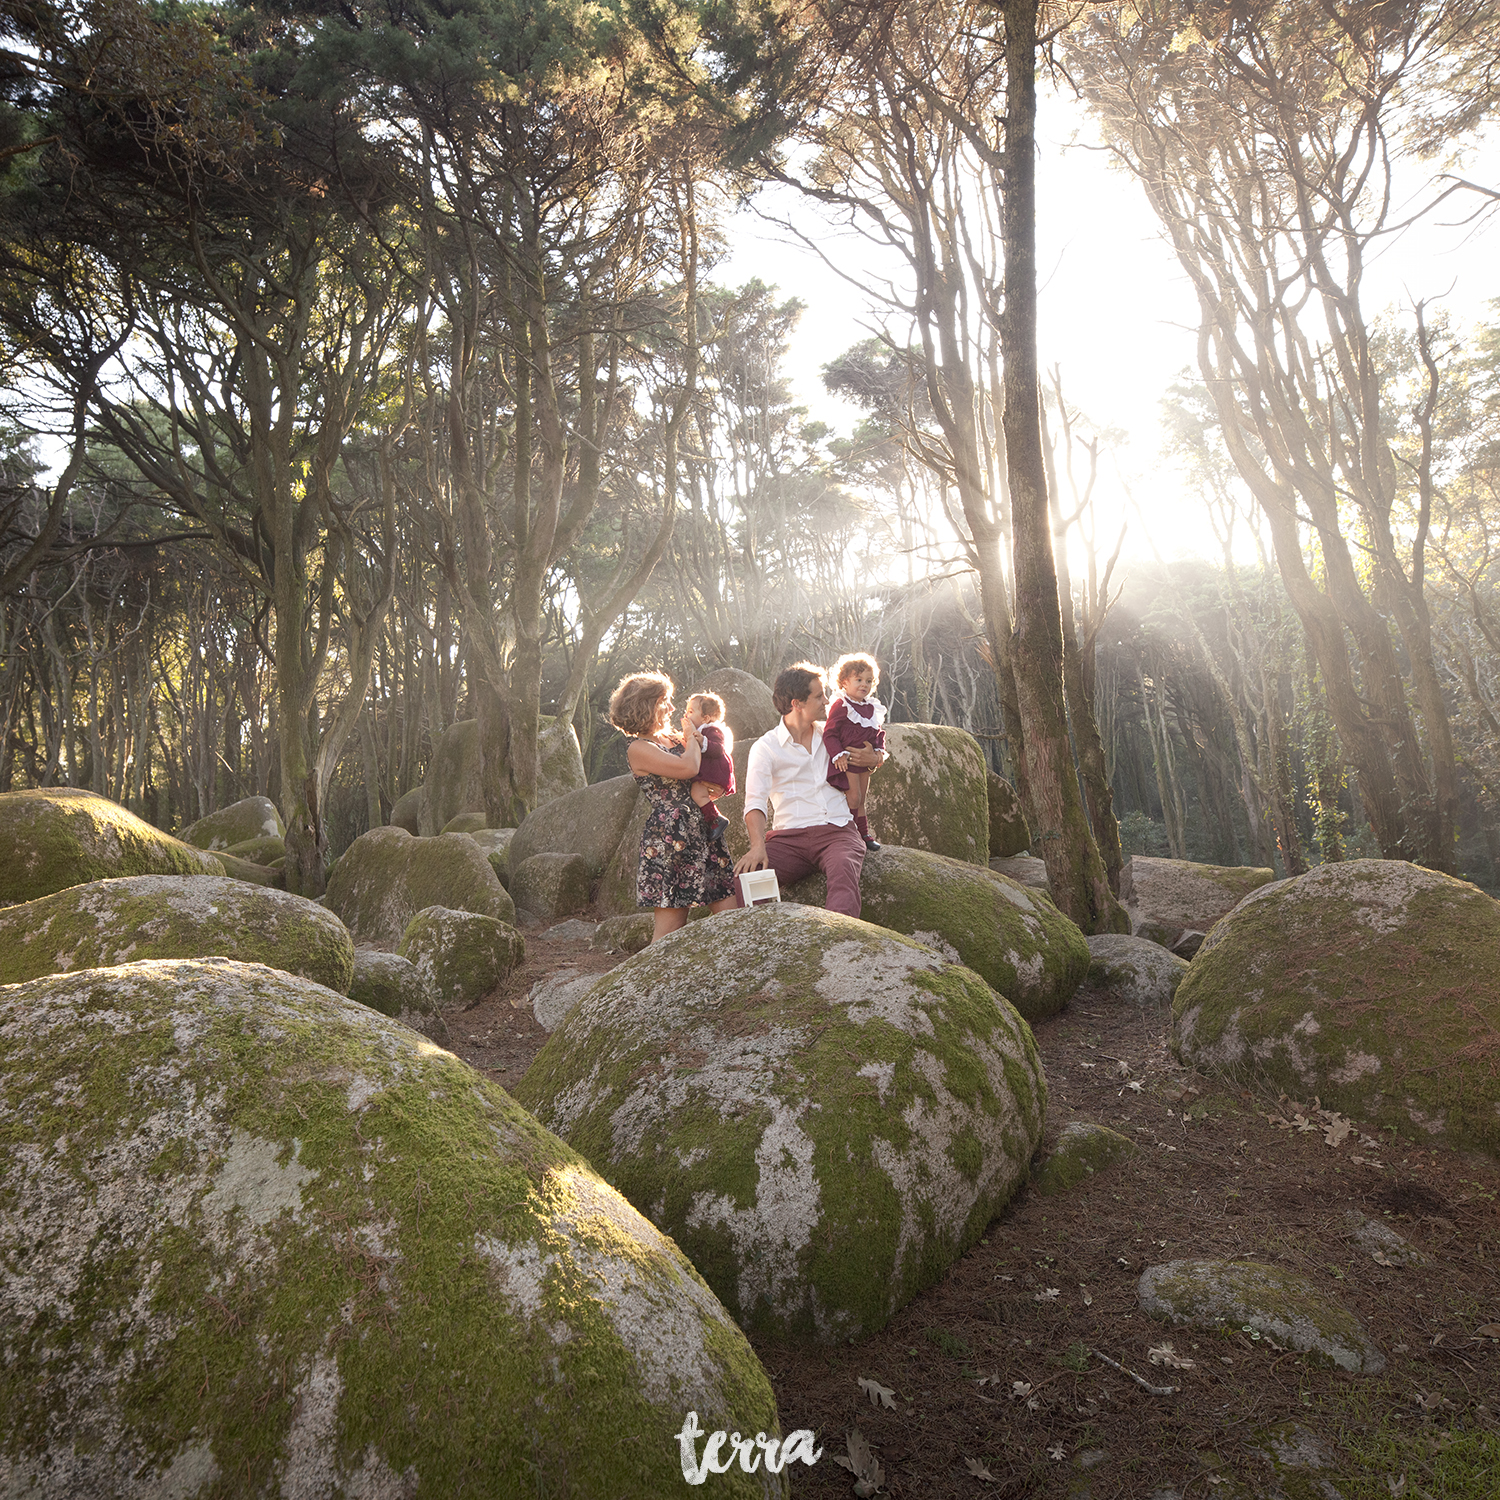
x=870 y=713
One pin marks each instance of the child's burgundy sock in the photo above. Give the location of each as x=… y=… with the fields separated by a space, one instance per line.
x=862 y=823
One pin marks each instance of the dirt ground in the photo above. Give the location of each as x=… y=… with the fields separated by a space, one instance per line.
x=1005 y=1378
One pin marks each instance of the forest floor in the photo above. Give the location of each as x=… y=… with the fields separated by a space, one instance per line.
x=991 y=1383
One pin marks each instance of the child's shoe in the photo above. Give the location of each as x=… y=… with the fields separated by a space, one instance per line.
x=871 y=843
x=719 y=831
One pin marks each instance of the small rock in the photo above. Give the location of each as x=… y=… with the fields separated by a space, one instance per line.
x=1381 y=1240
x=1082 y=1149
x=553 y=997
x=462 y=955
x=1134 y=969
x=624 y=934
x=574 y=930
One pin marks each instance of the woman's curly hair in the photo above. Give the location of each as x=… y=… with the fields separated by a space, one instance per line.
x=634 y=703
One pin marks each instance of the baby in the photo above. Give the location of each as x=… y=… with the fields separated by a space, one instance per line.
x=705 y=712
x=854 y=718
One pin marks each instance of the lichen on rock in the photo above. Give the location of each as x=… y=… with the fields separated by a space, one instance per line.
x=262 y=1240
x=395 y=987
x=823 y=1114
x=110 y=922
x=1373 y=984
x=1134 y=969
x=249 y=818
x=55 y=837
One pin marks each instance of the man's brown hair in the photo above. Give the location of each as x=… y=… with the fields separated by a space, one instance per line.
x=793 y=684
x=634 y=703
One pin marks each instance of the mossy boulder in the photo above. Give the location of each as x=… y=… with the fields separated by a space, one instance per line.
x=749 y=709
x=589 y=822
x=553 y=997
x=453 y=784
x=1373 y=984
x=1014 y=938
x=272 y=874
x=931 y=793
x=54 y=837
x=626 y=934
x=385 y=877
x=1276 y=1304
x=260 y=1240
x=551 y=885
x=261 y=850
x=822 y=1114
x=408 y=809
x=1024 y=869
x=469 y=822
x=111 y=922
x=1167 y=897
x=461 y=954
x=1082 y=1149
x=1010 y=834
x=395 y=987
x=495 y=842
x=249 y=818
x=616 y=892
x=1134 y=969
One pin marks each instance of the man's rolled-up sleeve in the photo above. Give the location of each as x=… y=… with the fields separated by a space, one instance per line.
x=758 y=778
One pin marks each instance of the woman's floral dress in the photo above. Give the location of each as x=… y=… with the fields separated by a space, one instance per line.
x=679 y=866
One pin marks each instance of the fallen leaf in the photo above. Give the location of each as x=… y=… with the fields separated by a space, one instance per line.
x=1397 y=1487
x=1430 y=1400
x=1088 y=1301
x=862 y=1463
x=1488 y=1331
x=1019 y=1388
x=879 y=1395
x=978 y=1470
x=1057 y=1452
x=1381 y=1258
x=1050 y=1295
x=1164 y=1354
x=991 y=1379
x=1122 y=1069
x=1336 y=1131
x=1135 y=1085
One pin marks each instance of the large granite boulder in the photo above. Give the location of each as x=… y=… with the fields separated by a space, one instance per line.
x=589 y=822
x=1267 y=1300
x=1025 y=869
x=461 y=954
x=469 y=822
x=495 y=842
x=452 y=783
x=822 y=1114
x=55 y=837
x=749 y=709
x=1134 y=969
x=249 y=818
x=1014 y=938
x=110 y=922
x=265 y=849
x=932 y=792
x=385 y=877
x=408 y=809
x=1373 y=984
x=551 y=885
x=1010 y=834
x=1168 y=897
x=395 y=987
x=277 y=1244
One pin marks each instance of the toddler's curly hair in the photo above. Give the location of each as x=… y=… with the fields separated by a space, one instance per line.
x=856 y=661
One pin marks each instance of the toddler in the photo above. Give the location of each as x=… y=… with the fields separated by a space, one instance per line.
x=715 y=777
x=854 y=718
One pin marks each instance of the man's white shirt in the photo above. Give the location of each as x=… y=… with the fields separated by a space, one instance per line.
x=781 y=776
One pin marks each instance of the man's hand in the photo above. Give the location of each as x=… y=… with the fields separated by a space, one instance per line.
x=755 y=829
x=865 y=757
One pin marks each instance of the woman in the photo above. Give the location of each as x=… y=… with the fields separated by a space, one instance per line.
x=680 y=868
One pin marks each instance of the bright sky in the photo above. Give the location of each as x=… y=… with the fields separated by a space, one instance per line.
x=1115 y=310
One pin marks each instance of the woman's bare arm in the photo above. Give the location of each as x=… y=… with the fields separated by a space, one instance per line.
x=648 y=759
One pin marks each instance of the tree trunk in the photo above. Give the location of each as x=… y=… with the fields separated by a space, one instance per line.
x=1075 y=872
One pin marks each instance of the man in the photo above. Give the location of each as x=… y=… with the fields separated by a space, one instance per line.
x=788 y=772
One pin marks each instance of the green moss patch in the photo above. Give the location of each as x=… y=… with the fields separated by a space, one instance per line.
x=229 y=827
x=261 y=1240
x=55 y=837
x=823 y=1114
x=461 y=954
x=111 y=922
x=1373 y=984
